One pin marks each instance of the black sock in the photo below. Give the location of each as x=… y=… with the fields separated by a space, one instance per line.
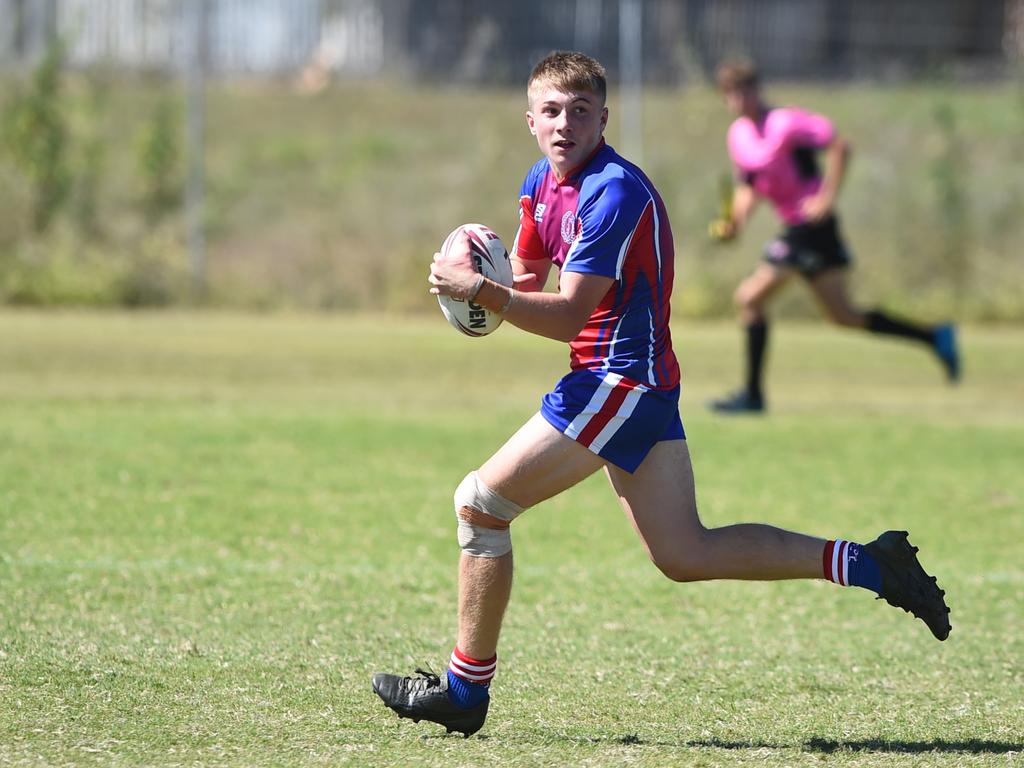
x=757 y=342
x=880 y=322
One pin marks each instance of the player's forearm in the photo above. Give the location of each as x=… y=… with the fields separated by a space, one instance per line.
x=740 y=214
x=742 y=205
x=551 y=315
x=520 y=269
x=836 y=162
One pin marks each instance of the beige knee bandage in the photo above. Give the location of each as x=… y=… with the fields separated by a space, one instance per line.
x=484 y=518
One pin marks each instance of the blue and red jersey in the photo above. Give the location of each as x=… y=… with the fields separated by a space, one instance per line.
x=606 y=218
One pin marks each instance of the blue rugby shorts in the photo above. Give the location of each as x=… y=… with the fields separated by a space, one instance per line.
x=617 y=418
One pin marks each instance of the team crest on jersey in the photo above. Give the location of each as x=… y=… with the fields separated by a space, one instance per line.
x=538 y=214
x=569 y=229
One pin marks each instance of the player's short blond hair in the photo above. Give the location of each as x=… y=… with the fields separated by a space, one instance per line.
x=568 y=71
x=735 y=74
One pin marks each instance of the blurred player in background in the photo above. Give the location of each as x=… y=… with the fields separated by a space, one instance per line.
x=774 y=152
x=600 y=221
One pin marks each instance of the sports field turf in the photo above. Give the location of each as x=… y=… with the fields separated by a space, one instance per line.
x=214 y=528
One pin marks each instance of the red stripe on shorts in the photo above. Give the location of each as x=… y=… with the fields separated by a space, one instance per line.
x=611 y=407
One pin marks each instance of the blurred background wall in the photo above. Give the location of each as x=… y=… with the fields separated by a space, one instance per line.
x=475 y=41
x=312 y=153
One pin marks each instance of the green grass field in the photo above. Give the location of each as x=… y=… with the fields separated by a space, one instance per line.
x=215 y=527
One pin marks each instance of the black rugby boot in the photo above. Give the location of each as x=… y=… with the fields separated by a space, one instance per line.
x=906 y=585
x=738 y=402
x=426 y=698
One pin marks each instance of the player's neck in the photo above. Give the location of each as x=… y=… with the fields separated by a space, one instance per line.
x=756 y=112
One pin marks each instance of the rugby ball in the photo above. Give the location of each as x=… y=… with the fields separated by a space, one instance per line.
x=492 y=261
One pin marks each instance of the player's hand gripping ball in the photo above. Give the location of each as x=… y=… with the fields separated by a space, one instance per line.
x=489 y=258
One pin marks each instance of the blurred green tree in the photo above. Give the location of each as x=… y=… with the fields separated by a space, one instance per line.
x=159 y=155
x=35 y=132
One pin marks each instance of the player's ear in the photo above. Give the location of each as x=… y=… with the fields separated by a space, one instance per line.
x=604 y=118
x=530 y=123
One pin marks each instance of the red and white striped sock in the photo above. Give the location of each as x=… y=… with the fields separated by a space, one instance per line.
x=850 y=564
x=835 y=562
x=472 y=670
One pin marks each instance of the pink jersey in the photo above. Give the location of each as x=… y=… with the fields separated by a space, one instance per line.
x=777 y=156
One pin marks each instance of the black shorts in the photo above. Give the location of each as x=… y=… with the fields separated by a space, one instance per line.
x=810 y=248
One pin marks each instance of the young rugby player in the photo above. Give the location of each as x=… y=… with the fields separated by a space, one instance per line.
x=598 y=218
x=774 y=151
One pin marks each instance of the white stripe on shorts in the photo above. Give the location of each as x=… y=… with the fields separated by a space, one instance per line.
x=620 y=418
x=594 y=406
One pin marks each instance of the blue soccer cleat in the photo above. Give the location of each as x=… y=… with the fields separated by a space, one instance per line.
x=946 y=348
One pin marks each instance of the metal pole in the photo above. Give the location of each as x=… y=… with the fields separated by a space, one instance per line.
x=631 y=73
x=195 y=187
x=587 y=26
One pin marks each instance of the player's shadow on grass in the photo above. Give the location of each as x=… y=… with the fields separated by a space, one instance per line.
x=828 y=746
x=969 y=746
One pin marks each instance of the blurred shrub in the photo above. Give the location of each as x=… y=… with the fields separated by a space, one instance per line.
x=119 y=246
x=155 y=274
x=159 y=152
x=949 y=172
x=55 y=270
x=58 y=268
x=89 y=158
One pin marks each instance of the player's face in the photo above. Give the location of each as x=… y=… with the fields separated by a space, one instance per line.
x=743 y=101
x=568 y=126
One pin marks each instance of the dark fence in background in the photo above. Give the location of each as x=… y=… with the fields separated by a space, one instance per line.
x=476 y=41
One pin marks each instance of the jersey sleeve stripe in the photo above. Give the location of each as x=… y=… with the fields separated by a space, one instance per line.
x=657 y=236
x=628 y=241
x=650 y=347
x=611 y=344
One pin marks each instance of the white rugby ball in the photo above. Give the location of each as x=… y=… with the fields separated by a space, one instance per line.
x=492 y=261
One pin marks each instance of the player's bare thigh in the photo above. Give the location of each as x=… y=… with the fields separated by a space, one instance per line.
x=536 y=463
x=754 y=292
x=660 y=500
